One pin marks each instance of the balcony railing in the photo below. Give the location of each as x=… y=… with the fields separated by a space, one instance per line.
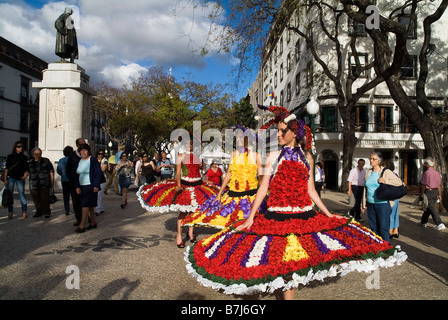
x=369 y=128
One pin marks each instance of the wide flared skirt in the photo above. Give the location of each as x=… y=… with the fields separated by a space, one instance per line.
x=285 y=254
x=163 y=196
x=223 y=213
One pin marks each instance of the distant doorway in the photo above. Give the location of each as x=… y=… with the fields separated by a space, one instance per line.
x=330 y=163
x=408 y=165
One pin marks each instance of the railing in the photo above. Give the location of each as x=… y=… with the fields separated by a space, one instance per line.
x=368 y=128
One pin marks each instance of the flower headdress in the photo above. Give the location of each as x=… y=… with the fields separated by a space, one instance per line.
x=283 y=114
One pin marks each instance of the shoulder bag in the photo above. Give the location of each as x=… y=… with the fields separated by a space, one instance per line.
x=388 y=192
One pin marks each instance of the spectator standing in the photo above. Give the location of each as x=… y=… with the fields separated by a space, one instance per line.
x=16 y=172
x=88 y=180
x=319 y=178
x=61 y=169
x=165 y=165
x=72 y=164
x=155 y=159
x=41 y=180
x=124 y=169
x=394 y=219
x=120 y=151
x=103 y=164
x=378 y=211
x=356 y=181
x=147 y=169
x=111 y=177
x=214 y=174
x=431 y=187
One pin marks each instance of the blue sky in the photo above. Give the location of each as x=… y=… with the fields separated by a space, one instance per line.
x=120 y=39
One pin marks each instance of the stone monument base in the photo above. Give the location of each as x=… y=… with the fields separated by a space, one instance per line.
x=64 y=109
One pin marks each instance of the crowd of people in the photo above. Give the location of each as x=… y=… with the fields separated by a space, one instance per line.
x=268 y=215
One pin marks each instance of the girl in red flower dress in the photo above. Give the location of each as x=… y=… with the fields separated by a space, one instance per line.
x=184 y=194
x=291 y=244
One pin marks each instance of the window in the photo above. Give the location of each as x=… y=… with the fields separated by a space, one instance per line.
x=384 y=119
x=405 y=19
x=281 y=71
x=309 y=74
x=275 y=79
x=362 y=61
x=281 y=45
x=409 y=68
x=356 y=28
x=328 y=120
x=297 y=83
x=288 y=92
x=362 y=119
x=282 y=97
x=288 y=63
x=297 y=51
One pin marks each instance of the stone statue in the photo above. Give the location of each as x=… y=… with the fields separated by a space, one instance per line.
x=66 y=41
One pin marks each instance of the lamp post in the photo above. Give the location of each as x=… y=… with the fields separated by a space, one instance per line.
x=312 y=108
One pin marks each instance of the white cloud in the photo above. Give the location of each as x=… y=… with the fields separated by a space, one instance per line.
x=117 y=75
x=116 y=38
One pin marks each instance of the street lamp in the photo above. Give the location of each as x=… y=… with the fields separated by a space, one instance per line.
x=312 y=107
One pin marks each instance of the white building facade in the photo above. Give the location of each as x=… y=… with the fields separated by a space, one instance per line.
x=290 y=76
x=19 y=102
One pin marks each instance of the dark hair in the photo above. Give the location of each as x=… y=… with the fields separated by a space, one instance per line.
x=15 y=145
x=389 y=165
x=84 y=146
x=100 y=151
x=67 y=151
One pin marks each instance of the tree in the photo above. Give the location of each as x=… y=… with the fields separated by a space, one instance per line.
x=242 y=114
x=156 y=104
x=255 y=26
x=389 y=57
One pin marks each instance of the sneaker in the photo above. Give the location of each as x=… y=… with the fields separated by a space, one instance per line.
x=440 y=227
x=423 y=225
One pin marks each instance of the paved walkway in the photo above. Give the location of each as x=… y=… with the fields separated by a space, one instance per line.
x=132 y=255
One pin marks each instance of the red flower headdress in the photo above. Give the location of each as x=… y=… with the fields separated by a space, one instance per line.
x=283 y=114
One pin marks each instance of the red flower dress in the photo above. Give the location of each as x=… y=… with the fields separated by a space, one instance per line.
x=235 y=204
x=163 y=196
x=291 y=244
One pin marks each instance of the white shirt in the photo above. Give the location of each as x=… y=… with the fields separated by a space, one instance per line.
x=357 y=177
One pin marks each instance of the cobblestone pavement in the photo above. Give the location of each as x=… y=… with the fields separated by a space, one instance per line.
x=132 y=255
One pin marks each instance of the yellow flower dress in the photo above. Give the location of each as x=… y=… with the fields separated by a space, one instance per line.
x=235 y=204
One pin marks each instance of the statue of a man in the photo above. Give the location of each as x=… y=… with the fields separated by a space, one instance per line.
x=66 y=41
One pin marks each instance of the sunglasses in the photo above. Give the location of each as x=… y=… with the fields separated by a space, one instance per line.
x=19 y=146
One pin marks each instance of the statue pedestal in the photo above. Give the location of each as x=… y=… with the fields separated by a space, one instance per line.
x=64 y=108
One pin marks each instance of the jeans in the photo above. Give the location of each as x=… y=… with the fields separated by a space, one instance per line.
x=20 y=189
x=379 y=219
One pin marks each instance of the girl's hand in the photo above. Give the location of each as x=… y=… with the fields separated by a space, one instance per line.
x=246 y=225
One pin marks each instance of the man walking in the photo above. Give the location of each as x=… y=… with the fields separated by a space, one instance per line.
x=356 y=180
x=431 y=187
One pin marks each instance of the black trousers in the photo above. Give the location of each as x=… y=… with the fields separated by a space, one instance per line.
x=76 y=200
x=431 y=211
x=357 y=194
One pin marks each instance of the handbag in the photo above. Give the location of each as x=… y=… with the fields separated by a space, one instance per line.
x=53 y=197
x=388 y=192
x=7 y=199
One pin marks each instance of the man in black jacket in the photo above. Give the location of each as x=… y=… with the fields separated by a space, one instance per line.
x=72 y=164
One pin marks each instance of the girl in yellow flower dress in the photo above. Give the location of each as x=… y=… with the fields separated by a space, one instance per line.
x=242 y=178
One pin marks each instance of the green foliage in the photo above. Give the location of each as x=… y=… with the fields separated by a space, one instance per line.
x=156 y=104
